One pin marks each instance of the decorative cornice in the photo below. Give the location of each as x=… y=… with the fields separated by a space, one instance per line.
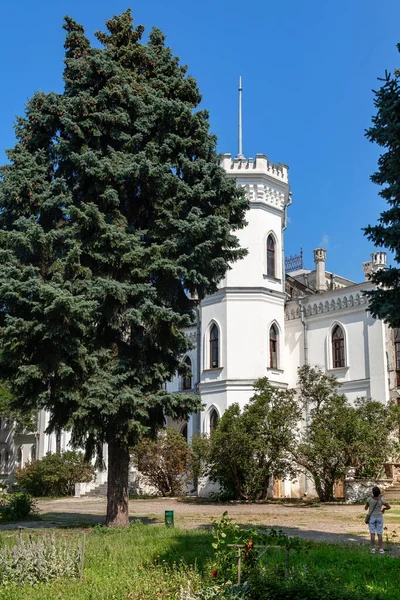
x=250 y=294
x=313 y=308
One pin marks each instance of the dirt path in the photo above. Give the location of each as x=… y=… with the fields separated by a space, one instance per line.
x=331 y=523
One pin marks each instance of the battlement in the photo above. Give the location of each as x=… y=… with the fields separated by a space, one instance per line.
x=257 y=166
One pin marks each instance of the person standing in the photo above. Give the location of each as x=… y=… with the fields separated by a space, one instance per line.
x=376 y=506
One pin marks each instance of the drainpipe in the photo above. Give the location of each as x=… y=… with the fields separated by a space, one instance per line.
x=198 y=366
x=305 y=328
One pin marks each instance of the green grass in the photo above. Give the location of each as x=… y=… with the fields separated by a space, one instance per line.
x=152 y=562
x=141 y=563
x=352 y=568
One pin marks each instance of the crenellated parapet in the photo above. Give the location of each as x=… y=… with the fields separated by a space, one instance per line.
x=264 y=182
x=258 y=166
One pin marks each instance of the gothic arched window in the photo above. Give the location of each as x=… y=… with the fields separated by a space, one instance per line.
x=338 y=359
x=19 y=457
x=397 y=354
x=214 y=347
x=184 y=431
x=270 y=256
x=187 y=379
x=273 y=347
x=214 y=418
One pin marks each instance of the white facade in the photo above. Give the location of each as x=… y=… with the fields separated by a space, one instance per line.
x=266 y=323
x=249 y=301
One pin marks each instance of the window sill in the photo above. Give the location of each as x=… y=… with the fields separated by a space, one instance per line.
x=275 y=279
x=212 y=369
x=272 y=370
x=338 y=369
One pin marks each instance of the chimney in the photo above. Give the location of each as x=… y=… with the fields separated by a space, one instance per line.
x=319 y=259
x=377 y=262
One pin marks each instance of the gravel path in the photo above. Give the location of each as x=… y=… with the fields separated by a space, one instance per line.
x=331 y=523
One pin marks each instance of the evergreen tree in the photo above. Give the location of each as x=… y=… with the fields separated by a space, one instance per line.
x=385 y=131
x=113 y=210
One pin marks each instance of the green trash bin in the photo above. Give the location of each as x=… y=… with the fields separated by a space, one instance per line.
x=169 y=518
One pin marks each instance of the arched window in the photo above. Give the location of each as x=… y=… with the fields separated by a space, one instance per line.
x=270 y=256
x=214 y=347
x=338 y=347
x=184 y=431
x=397 y=354
x=187 y=379
x=214 y=418
x=19 y=457
x=273 y=347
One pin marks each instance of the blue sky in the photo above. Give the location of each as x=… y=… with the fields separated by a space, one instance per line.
x=308 y=69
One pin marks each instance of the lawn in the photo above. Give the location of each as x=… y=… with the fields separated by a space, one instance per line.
x=152 y=562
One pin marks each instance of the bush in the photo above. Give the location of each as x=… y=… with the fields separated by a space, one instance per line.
x=55 y=474
x=249 y=447
x=39 y=561
x=164 y=461
x=16 y=507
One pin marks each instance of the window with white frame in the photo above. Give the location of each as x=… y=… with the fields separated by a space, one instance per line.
x=214 y=418
x=273 y=347
x=187 y=379
x=271 y=259
x=338 y=348
x=214 y=347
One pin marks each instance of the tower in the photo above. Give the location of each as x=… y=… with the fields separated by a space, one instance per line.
x=242 y=325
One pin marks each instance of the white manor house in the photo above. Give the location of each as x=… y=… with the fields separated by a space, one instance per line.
x=265 y=320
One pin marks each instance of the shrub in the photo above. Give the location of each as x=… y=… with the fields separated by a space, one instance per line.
x=39 y=561
x=16 y=507
x=249 y=447
x=164 y=461
x=55 y=474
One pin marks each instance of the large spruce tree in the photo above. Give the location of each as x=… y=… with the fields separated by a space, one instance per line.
x=113 y=211
x=385 y=131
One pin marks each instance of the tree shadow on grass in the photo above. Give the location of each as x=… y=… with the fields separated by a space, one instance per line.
x=71 y=520
x=192 y=546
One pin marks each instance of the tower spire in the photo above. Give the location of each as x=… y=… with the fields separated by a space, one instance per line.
x=240 y=149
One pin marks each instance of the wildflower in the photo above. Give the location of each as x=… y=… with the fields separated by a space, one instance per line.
x=214 y=573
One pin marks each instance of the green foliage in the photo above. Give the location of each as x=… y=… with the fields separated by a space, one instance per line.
x=226 y=591
x=55 y=474
x=22 y=420
x=339 y=435
x=112 y=207
x=200 y=446
x=16 y=507
x=385 y=131
x=164 y=461
x=251 y=447
x=31 y=562
x=375 y=437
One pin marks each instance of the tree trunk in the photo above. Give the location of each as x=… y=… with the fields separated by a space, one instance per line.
x=324 y=490
x=117 y=490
